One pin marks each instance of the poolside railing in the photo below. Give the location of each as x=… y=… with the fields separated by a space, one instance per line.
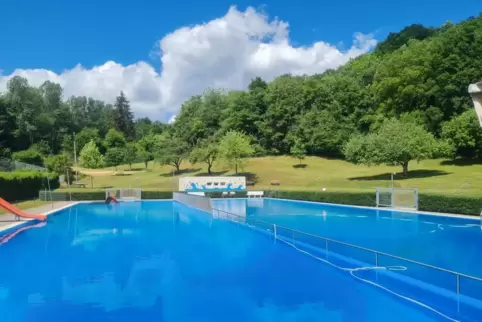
x=327 y=244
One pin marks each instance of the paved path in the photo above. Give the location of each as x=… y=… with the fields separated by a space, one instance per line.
x=8 y=220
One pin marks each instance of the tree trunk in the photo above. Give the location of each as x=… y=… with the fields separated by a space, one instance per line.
x=178 y=166
x=209 y=167
x=236 y=169
x=130 y=166
x=146 y=162
x=92 y=181
x=405 y=168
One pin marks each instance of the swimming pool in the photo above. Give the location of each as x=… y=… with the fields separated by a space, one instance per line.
x=447 y=242
x=162 y=261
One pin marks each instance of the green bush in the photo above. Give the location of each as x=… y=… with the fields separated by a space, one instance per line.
x=431 y=203
x=29 y=156
x=23 y=185
x=345 y=198
x=156 y=194
x=96 y=195
x=450 y=204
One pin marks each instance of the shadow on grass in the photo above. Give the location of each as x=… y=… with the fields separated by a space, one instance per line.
x=101 y=186
x=461 y=162
x=182 y=171
x=213 y=173
x=411 y=175
x=122 y=174
x=300 y=166
x=251 y=178
x=135 y=169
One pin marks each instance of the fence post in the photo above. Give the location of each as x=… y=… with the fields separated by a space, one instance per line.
x=378 y=198
x=458 y=284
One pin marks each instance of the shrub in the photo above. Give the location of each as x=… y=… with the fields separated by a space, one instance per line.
x=156 y=194
x=431 y=203
x=29 y=156
x=23 y=185
x=450 y=204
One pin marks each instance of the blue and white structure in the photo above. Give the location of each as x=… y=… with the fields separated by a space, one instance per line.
x=207 y=184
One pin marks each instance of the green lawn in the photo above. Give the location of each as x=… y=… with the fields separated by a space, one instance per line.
x=430 y=176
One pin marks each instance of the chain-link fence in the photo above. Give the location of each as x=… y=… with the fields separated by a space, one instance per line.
x=12 y=165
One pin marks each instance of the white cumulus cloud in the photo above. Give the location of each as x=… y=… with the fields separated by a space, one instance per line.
x=226 y=52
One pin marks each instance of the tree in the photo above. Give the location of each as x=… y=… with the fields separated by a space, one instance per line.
x=90 y=156
x=114 y=157
x=234 y=148
x=144 y=155
x=298 y=150
x=322 y=132
x=60 y=164
x=29 y=156
x=130 y=154
x=395 y=143
x=145 y=148
x=465 y=134
x=114 y=139
x=41 y=147
x=85 y=136
x=170 y=151
x=123 y=117
x=206 y=152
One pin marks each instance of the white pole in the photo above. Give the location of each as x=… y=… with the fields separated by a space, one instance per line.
x=75 y=151
x=75 y=159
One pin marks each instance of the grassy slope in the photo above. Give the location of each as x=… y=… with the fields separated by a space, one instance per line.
x=434 y=176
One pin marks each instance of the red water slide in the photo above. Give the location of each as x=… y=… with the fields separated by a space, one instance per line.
x=14 y=210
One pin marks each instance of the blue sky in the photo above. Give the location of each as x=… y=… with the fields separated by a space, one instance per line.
x=57 y=35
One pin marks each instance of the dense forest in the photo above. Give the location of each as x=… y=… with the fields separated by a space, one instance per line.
x=417 y=77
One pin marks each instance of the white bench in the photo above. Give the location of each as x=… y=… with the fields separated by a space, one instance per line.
x=197 y=194
x=255 y=194
x=230 y=193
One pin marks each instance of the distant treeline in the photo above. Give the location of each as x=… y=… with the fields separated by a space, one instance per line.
x=418 y=75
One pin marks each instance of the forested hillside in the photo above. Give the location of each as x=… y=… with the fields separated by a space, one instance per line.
x=418 y=76
x=424 y=81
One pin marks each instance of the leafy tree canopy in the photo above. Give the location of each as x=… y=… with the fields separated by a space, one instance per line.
x=90 y=156
x=234 y=148
x=395 y=143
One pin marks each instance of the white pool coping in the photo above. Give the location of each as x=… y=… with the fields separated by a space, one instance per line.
x=48 y=213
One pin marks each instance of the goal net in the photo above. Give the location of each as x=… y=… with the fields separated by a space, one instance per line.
x=196 y=201
x=404 y=198
x=124 y=194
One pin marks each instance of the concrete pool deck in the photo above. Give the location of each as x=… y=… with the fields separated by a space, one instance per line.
x=8 y=220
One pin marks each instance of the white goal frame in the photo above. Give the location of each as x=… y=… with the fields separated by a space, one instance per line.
x=400 y=198
x=124 y=194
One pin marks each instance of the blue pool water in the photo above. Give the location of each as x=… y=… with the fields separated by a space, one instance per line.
x=161 y=261
x=447 y=242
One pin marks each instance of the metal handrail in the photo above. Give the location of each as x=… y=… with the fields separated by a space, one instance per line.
x=376 y=252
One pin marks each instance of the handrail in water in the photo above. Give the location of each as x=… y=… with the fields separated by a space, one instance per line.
x=376 y=252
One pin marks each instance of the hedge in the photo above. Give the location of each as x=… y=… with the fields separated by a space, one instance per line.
x=427 y=202
x=23 y=185
x=96 y=195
